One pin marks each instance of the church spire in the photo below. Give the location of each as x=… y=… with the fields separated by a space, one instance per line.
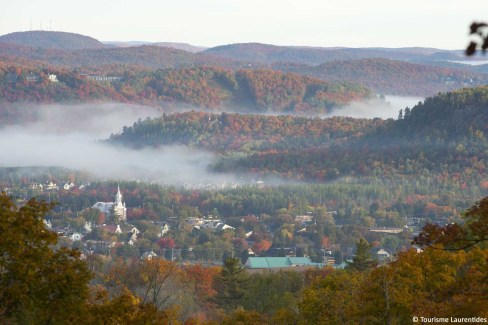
x=118 y=197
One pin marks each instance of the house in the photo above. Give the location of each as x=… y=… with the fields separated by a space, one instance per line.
x=383 y=255
x=76 y=236
x=88 y=226
x=148 y=255
x=67 y=186
x=213 y=224
x=164 y=229
x=223 y=226
x=132 y=235
x=101 y=78
x=48 y=224
x=52 y=78
x=277 y=263
x=387 y=230
x=303 y=220
x=51 y=186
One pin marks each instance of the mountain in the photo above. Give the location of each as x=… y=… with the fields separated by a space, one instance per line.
x=393 y=77
x=265 y=53
x=52 y=40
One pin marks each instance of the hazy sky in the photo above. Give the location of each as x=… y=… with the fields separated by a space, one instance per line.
x=353 y=23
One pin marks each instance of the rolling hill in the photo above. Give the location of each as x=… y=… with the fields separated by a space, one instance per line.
x=394 y=77
x=383 y=70
x=52 y=40
x=214 y=88
x=145 y=56
x=442 y=139
x=265 y=53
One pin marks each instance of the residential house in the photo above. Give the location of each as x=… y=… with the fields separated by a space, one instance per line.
x=164 y=229
x=148 y=255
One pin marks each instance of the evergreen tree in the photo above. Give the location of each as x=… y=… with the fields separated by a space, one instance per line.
x=231 y=285
x=362 y=260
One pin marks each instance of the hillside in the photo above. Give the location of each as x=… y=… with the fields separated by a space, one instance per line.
x=383 y=75
x=265 y=53
x=446 y=117
x=174 y=45
x=261 y=91
x=242 y=133
x=182 y=46
x=395 y=77
x=145 y=56
x=444 y=137
x=52 y=40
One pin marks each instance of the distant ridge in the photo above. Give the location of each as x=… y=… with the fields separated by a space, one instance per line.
x=52 y=40
x=173 y=45
x=265 y=53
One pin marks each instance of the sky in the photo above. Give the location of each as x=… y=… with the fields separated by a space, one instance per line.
x=442 y=24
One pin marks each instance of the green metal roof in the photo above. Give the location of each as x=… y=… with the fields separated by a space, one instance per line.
x=278 y=262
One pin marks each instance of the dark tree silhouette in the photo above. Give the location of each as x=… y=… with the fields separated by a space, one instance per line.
x=480 y=33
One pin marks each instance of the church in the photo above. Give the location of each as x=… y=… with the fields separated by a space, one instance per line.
x=115 y=209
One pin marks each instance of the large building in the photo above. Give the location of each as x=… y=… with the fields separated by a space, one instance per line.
x=115 y=209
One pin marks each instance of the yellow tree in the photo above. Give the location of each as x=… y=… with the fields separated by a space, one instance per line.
x=332 y=299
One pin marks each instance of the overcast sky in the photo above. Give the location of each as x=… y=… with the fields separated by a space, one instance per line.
x=352 y=23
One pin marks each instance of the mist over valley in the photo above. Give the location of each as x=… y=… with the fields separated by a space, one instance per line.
x=161 y=182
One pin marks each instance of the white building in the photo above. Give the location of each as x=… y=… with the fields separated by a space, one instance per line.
x=119 y=209
x=116 y=209
x=53 y=78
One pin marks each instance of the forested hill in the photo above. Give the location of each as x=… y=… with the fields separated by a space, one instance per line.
x=243 y=133
x=444 y=137
x=449 y=116
x=266 y=53
x=52 y=40
x=209 y=87
x=145 y=56
x=395 y=77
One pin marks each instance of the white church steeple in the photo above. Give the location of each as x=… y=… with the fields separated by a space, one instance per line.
x=120 y=211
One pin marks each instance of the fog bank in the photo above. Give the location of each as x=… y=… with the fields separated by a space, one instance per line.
x=387 y=108
x=66 y=136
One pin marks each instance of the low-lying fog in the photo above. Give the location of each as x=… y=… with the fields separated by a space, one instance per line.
x=387 y=108
x=65 y=136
